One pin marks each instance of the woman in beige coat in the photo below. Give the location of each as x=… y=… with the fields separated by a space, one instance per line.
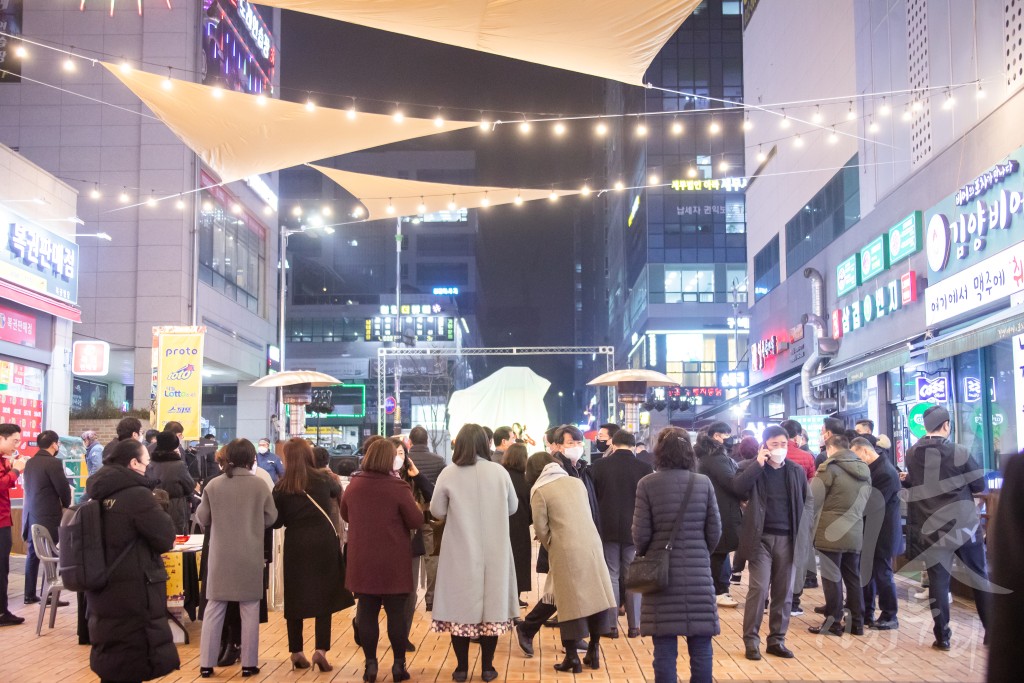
x=579 y=574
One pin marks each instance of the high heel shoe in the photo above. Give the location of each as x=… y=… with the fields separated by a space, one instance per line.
x=320 y=661
x=570 y=663
x=299 y=661
x=250 y=671
x=205 y=671
x=370 y=671
x=593 y=657
x=398 y=672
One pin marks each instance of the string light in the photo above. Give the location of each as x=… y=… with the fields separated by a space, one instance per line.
x=518 y=200
x=69 y=65
x=553 y=196
x=784 y=122
x=816 y=116
x=559 y=129
x=585 y=190
x=421 y=207
x=357 y=212
x=723 y=166
x=761 y=156
x=885 y=109
x=180 y=204
x=351 y=114
x=872 y=126
x=151 y=202
x=833 y=137
x=601 y=129
x=125 y=67
x=906 y=114
x=439 y=120
x=619 y=186
x=485 y=125
x=310 y=104
x=95 y=192
x=261 y=100
x=653 y=179
x=798 y=141
x=850 y=113
x=916 y=105
x=207 y=207
x=267 y=210
x=677 y=127
x=486 y=201
x=747 y=123
x=123 y=197
x=524 y=127
x=20 y=52
x=217 y=92
x=980 y=92
x=327 y=211
x=391 y=207
x=714 y=128
x=167 y=83
x=949 y=102
x=641 y=129
x=691 y=172
x=296 y=210
x=398 y=116
x=452 y=205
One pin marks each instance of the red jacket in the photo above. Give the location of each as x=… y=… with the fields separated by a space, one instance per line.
x=802 y=458
x=8 y=480
x=381 y=513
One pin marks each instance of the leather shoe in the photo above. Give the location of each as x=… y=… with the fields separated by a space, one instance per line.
x=31 y=600
x=820 y=609
x=229 y=655
x=942 y=645
x=754 y=653
x=780 y=650
x=60 y=603
x=525 y=642
x=633 y=633
x=856 y=630
x=885 y=625
x=613 y=632
x=830 y=630
x=8 y=619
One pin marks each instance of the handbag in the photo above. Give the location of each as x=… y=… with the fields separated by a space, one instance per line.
x=649 y=572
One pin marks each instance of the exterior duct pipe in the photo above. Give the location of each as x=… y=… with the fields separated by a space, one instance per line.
x=823 y=347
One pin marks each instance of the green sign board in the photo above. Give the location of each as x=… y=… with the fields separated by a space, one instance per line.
x=905 y=238
x=848 y=275
x=915 y=419
x=873 y=259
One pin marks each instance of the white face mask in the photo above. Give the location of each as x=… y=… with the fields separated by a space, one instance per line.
x=778 y=455
x=262 y=450
x=574 y=453
x=398 y=462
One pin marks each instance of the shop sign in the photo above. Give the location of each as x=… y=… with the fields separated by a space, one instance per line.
x=848 y=275
x=764 y=350
x=179 y=377
x=90 y=358
x=915 y=419
x=985 y=182
x=972 y=389
x=708 y=394
x=1018 y=378
x=873 y=258
x=990 y=281
x=905 y=238
x=733 y=379
x=710 y=185
x=37 y=259
x=17 y=328
x=884 y=301
x=934 y=389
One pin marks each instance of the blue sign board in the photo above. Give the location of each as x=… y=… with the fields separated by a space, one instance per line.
x=37 y=259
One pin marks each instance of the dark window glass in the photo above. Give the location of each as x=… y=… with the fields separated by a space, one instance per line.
x=766 y=269
x=825 y=216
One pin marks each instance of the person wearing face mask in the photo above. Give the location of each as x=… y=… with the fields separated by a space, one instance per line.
x=569 y=442
x=268 y=460
x=942 y=480
x=779 y=507
x=47 y=493
x=603 y=442
x=721 y=470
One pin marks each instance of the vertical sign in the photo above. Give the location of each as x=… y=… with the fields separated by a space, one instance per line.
x=10 y=22
x=873 y=258
x=848 y=275
x=1018 y=377
x=179 y=376
x=905 y=238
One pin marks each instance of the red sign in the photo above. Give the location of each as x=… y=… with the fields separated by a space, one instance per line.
x=908 y=287
x=17 y=328
x=90 y=358
x=27 y=413
x=837 y=323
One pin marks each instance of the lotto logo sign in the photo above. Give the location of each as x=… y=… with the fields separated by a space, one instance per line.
x=933 y=388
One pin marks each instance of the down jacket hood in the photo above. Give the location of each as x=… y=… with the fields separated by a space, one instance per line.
x=841 y=488
x=849 y=463
x=111 y=479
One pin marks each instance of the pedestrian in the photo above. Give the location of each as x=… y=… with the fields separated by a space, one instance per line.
x=545 y=607
x=840 y=489
x=686 y=606
x=832 y=426
x=502 y=438
x=171 y=475
x=430 y=464
x=514 y=461
x=11 y=466
x=603 y=442
x=313 y=566
x=744 y=452
x=715 y=463
x=882 y=534
x=381 y=512
x=422 y=491
x=568 y=448
x=47 y=494
x=616 y=476
x=268 y=460
x=128 y=629
x=808 y=577
x=644 y=455
x=127 y=428
x=564 y=525
x=235 y=510
x=476 y=575
x=1005 y=532
x=942 y=480
x=773 y=536
x=93 y=451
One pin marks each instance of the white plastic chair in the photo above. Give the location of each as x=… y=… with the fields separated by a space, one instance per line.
x=46 y=551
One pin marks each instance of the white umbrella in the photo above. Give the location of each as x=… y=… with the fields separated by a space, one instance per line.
x=651 y=377
x=291 y=377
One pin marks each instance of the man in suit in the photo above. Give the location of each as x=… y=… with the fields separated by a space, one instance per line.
x=47 y=493
x=616 y=476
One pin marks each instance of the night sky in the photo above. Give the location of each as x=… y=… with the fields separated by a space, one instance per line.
x=525 y=256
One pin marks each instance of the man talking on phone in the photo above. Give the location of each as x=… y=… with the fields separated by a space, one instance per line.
x=773 y=535
x=11 y=465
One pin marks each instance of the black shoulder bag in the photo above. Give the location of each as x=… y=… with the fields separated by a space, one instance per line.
x=649 y=572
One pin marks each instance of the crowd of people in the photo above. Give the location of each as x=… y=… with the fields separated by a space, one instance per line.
x=719 y=504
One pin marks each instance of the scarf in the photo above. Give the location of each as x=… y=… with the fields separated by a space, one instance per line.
x=551 y=472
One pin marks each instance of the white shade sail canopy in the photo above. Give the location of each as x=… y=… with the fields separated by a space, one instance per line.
x=239 y=135
x=292 y=377
x=651 y=377
x=614 y=39
x=415 y=197
x=510 y=395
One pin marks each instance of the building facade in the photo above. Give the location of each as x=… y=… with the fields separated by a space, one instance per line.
x=891 y=217
x=174 y=256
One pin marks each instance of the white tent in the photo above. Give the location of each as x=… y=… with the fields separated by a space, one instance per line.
x=509 y=395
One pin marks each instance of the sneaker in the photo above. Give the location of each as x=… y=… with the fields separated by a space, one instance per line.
x=724 y=600
x=796 y=611
x=736 y=579
x=921 y=594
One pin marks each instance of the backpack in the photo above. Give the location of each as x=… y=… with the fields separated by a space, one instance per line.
x=83 y=562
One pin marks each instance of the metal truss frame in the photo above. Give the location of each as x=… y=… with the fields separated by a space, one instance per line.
x=407 y=352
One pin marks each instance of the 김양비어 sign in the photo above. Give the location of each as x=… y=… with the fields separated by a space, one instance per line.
x=988 y=282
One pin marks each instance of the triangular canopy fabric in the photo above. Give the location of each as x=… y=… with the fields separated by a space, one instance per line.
x=614 y=39
x=239 y=135
x=510 y=395
x=414 y=197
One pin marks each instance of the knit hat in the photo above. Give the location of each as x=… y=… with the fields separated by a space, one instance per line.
x=166 y=441
x=935 y=417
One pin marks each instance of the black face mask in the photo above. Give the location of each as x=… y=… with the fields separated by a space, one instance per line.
x=730 y=442
x=601 y=444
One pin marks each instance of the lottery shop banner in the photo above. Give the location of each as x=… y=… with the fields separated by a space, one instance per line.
x=21 y=403
x=179 y=377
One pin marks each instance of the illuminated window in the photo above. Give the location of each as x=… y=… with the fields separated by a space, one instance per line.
x=232 y=250
x=683 y=284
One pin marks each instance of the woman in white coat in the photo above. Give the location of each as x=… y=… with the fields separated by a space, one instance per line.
x=476 y=593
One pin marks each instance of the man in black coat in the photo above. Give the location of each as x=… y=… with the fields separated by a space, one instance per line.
x=47 y=493
x=882 y=531
x=127 y=428
x=615 y=480
x=715 y=463
x=430 y=465
x=774 y=533
x=128 y=629
x=1007 y=551
x=942 y=478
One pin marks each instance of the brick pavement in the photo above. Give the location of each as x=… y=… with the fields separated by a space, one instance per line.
x=894 y=656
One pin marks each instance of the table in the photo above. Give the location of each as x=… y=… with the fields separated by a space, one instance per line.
x=182 y=568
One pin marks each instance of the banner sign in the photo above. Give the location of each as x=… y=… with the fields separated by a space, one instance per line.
x=179 y=377
x=37 y=259
x=17 y=327
x=984 y=283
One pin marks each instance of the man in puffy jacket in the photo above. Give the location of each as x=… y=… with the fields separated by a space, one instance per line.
x=841 y=489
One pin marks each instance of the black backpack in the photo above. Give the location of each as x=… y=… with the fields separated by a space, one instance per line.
x=83 y=562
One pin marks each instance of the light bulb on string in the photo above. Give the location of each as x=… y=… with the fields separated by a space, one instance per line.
x=391 y=207
x=949 y=102
x=485 y=125
x=351 y=113
x=452 y=206
x=747 y=123
x=486 y=201
x=641 y=129
x=357 y=212
x=236 y=209
x=180 y=204
x=723 y=165
x=816 y=116
x=677 y=127
x=524 y=127
x=714 y=128
x=980 y=92
x=653 y=179
x=421 y=207
x=167 y=83
x=95 y=192
x=784 y=122
x=798 y=141
x=916 y=105
x=20 y=52
x=296 y=210
x=310 y=104
x=518 y=200
x=761 y=156
x=151 y=202
x=439 y=119
x=833 y=137
x=261 y=100
x=69 y=65
x=619 y=186
x=850 y=113
x=398 y=116
x=585 y=190
x=691 y=172
x=123 y=197
x=217 y=92
x=553 y=196
x=125 y=67
x=906 y=114
x=872 y=126
x=884 y=109
x=327 y=211
x=267 y=210
x=601 y=129
x=559 y=129
x=207 y=207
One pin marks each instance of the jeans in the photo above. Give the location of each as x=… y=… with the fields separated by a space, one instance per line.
x=880 y=583
x=972 y=555
x=666 y=651
x=771 y=570
x=839 y=569
x=721 y=571
x=618 y=557
x=322 y=629
x=6 y=541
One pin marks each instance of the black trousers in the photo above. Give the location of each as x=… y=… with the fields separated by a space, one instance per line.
x=536 y=617
x=881 y=584
x=323 y=633
x=839 y=570
x=367 y=611
x=6 y=542
x=972 y=555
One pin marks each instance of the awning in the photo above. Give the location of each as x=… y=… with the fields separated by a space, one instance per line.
x=861 y=368
x=39 y=302
x=385 y=197
x=997 y=327
x=606 y=38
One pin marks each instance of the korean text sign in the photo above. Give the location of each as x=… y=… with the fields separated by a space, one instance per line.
x=37 y=259
x=180 y=379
